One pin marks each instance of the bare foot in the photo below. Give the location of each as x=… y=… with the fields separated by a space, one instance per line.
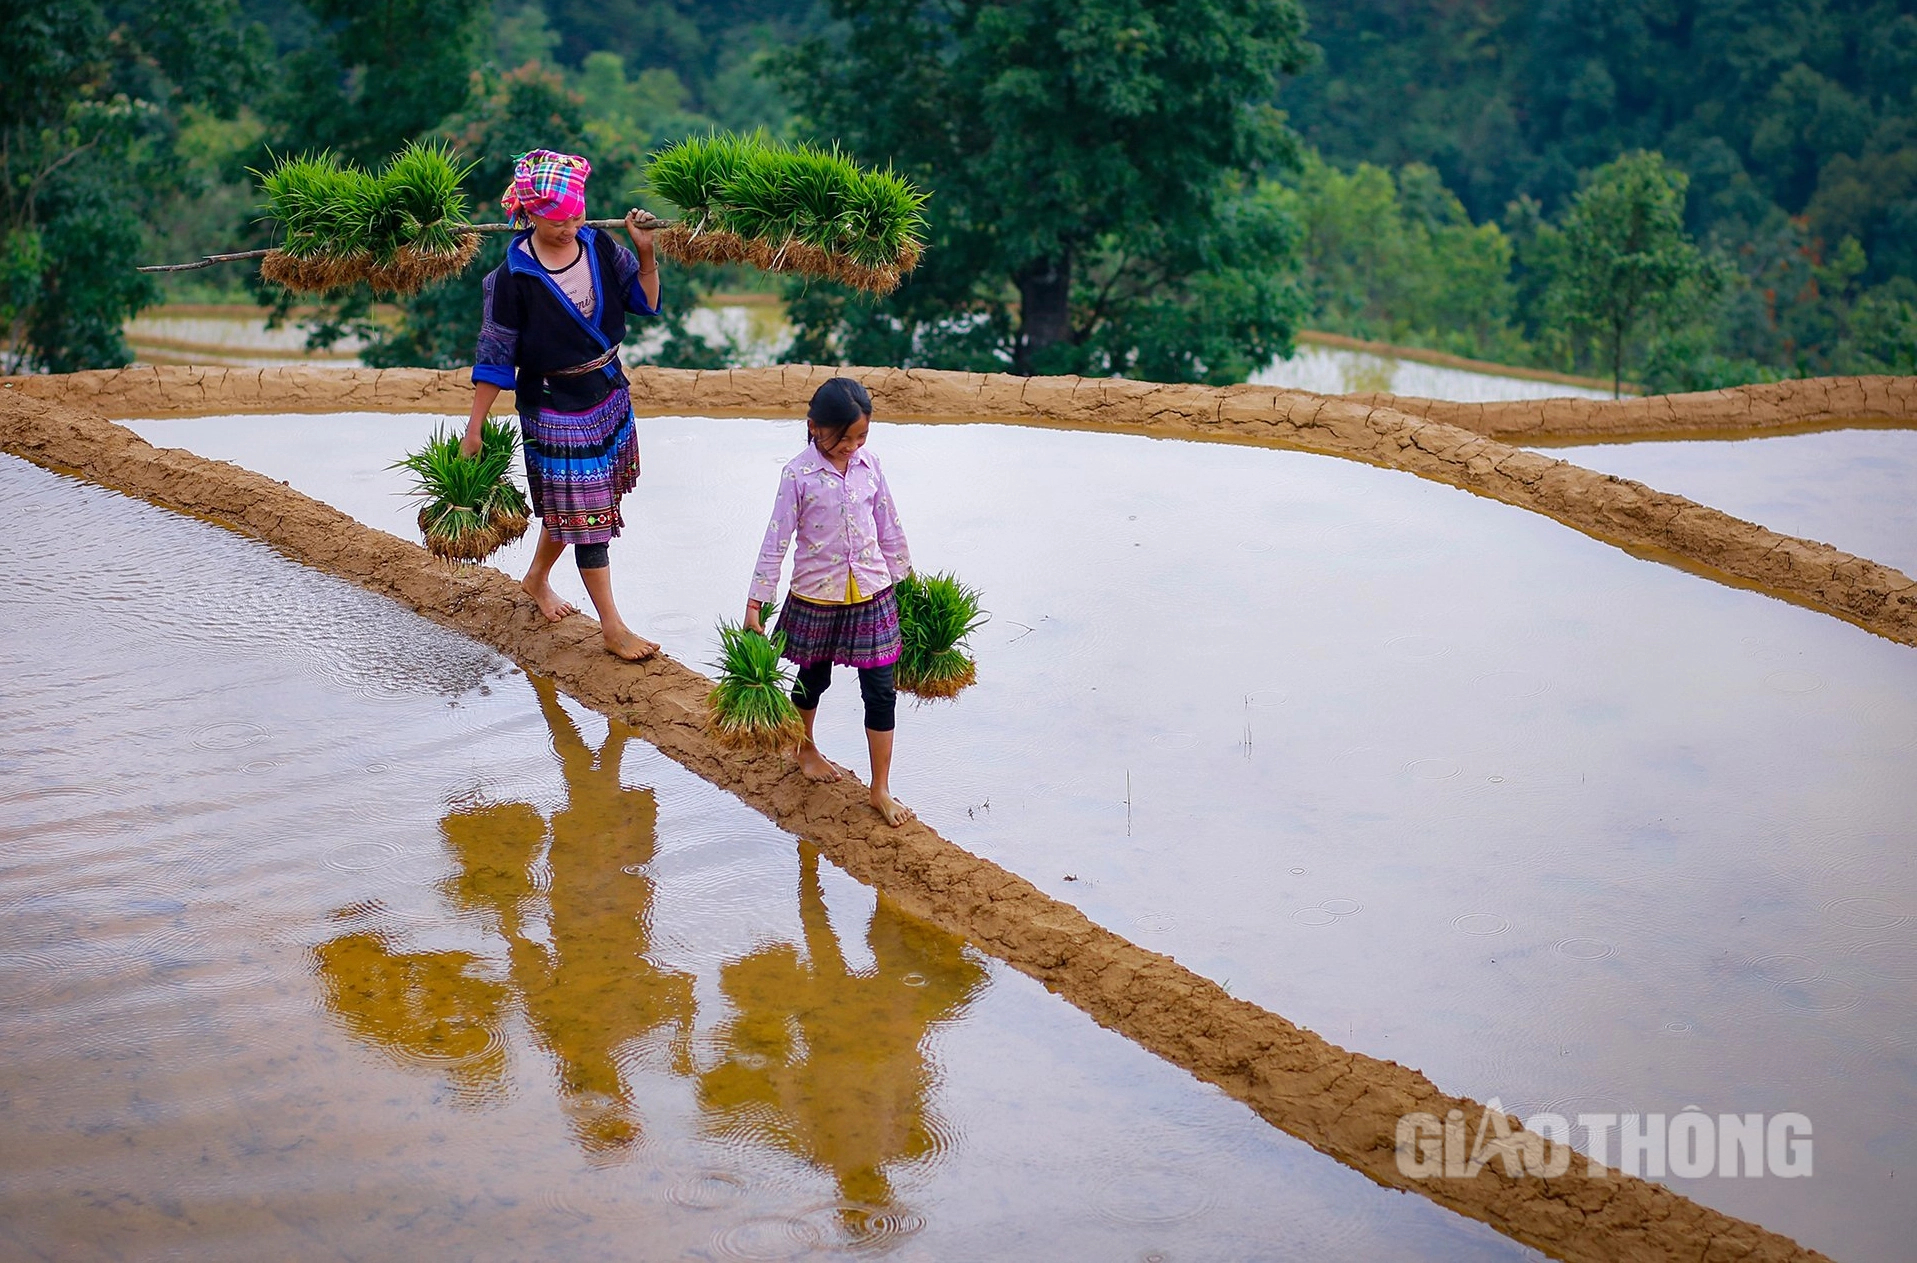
x=815 y=765
x=551 y=604
x=895 y=812
x=630 y=647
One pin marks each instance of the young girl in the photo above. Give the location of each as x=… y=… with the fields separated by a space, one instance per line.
x=851 y=551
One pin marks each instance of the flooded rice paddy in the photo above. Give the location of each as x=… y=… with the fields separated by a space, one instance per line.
x=1339 y=370
x=753 y=331
x=1854 y=489
x=1438 y=778
x=326 y=933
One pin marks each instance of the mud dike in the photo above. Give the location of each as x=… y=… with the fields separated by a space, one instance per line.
x=1445 y=446
x=1345 y=1104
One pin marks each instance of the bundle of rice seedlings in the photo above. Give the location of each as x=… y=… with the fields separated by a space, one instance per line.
x=319 y=205
x=507 y=511
x=751 y=706
x=469 y=506
x=694 y=174
x=937 y=614
x=399 y=231
x=789 y=209
x=419 y=239
x=746 y=199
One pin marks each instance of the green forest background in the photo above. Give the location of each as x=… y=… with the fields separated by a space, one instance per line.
x=1681 y=193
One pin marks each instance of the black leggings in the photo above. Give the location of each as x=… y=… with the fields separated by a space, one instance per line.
x=875 y=686
x=590 y=556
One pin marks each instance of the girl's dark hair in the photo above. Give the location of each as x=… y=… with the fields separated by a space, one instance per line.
x=836 y=407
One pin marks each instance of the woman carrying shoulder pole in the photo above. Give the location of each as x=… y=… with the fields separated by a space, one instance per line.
x=553 y=320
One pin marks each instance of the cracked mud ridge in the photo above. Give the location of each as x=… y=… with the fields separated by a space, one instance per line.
x=1647 y=522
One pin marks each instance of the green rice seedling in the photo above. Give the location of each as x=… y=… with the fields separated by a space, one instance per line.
x=311 y=197
x=458 y=495
x=423 y=200
x=761 y=202
x=884 y=221
x=399 y=231
x=694 y=173
x=788 y=209
x=937 y=614
x=506 y=509
x=751 y=705
x=820 y=179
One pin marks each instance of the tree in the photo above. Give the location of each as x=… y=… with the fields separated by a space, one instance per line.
x=1088 y=163
x=376 y=75
x=1624 y=257
x=88 y=121
x=1395 y=258
x=366 y=79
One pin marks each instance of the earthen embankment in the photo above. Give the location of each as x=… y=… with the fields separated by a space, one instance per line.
x=1629 y=514
x=1788 y=407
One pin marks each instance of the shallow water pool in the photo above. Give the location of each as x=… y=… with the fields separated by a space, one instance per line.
x=324 y=932
x=1439 y=778
x=1855 y=489
x=1336 y=370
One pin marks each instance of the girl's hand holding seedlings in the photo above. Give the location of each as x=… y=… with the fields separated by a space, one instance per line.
x=752 y=618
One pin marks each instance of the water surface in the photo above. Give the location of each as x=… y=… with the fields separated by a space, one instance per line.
x=1334 y=370
x=1855 y=489
x=325 y=933
x=757 y=333
x=1442 y=779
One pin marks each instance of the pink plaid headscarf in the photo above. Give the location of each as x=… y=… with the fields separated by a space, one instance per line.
x=548 y=184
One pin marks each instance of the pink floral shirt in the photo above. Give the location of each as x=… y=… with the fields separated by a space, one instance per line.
x=846 y=524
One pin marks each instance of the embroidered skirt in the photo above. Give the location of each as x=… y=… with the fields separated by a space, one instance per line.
x=864 y=634
x=578 y=464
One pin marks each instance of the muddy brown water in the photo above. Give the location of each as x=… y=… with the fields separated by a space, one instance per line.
x=1853 y=488
x=324 y=932
x=1443 y=780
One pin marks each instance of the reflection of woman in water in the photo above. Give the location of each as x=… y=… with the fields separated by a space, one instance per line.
x=589 y=993
x=848 y=1093
x=594 y=990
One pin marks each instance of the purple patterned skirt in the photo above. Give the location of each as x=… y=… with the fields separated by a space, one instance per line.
x=578 y=464
x=864 y=634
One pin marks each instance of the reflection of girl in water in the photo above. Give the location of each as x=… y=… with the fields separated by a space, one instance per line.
x=835 y=1058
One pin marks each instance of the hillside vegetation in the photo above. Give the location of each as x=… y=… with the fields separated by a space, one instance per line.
x=1684 y=193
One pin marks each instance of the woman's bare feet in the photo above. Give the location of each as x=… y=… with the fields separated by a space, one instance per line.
x=551 y=604
x=815 y=765
x=895 y=812
x=629 y=646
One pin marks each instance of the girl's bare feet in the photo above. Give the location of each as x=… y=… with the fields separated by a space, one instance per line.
x=895 y=812
x=629 y=646
x=815 y=765
x=551 y=604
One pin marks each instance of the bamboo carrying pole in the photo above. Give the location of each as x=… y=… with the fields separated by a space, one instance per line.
x=646 y=220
